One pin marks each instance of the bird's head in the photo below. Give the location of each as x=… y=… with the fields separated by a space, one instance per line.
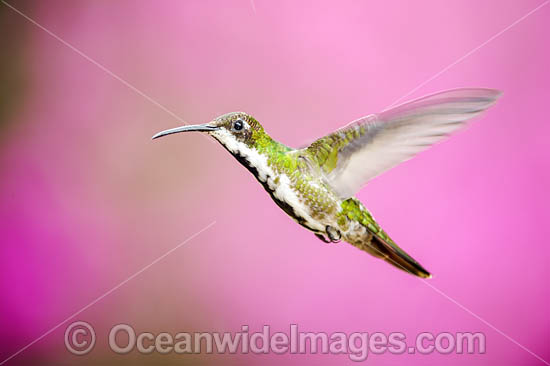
x=235 y=131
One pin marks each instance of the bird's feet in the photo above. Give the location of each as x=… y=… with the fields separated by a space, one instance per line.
x=333 y=234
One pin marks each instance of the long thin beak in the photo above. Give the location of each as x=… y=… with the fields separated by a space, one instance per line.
x=200 y=128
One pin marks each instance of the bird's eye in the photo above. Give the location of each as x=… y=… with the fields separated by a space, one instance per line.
x=238 y=125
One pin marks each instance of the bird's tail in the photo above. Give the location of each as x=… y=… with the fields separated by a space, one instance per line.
x=370 y=237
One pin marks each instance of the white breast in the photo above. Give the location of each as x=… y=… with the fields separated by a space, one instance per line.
x=282 y=190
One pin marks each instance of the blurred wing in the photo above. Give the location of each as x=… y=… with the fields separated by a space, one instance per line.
x=350 y=157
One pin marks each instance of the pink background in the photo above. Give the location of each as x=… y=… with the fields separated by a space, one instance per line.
x=88 y=199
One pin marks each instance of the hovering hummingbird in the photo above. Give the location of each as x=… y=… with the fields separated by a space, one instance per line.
x=316 y=185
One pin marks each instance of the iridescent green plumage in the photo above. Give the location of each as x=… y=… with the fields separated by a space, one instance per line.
x=315 y=185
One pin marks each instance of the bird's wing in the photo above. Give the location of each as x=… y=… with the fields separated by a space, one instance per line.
x=351 y=156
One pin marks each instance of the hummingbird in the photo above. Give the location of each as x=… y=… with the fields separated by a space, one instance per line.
x=316 y=185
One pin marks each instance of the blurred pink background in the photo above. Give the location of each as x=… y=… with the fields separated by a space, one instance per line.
x=88 y=199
